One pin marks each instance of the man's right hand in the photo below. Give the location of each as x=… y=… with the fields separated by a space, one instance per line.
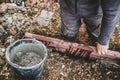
x=102 y=49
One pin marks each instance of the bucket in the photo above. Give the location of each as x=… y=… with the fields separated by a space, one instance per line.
x=27 y=57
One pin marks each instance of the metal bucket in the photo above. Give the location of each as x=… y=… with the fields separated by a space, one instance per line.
x=32 y=72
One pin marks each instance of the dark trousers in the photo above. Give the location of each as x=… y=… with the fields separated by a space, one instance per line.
x=94 y=12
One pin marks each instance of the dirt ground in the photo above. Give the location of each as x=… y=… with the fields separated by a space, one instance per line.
x=58 y=66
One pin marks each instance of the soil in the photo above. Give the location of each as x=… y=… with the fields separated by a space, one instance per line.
x=27 y=59
x=58 y=66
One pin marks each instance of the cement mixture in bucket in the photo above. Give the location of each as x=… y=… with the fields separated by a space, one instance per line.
x=27 y=59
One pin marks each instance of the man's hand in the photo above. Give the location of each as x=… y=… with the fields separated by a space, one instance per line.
x=102 y=49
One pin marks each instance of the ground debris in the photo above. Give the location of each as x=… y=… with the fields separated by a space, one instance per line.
x=3 y=8
x=2 y=62
x=24 y=20
x=2 y=31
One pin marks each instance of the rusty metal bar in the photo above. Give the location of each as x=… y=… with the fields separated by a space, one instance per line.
x=75 y=49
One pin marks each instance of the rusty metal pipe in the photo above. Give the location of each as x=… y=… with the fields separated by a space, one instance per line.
x=75 y=49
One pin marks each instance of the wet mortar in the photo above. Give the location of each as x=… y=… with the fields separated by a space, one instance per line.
x=27 y=59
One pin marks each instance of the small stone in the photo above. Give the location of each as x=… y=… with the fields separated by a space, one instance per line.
x=20 y=16
x=1 y=20
x=1 y=54
x=93 y=65
x=10 y=39
x=18 y=2
x=3 y=8
x=7 y=74
x=2 y=31
x=63 y=66
x=8 y=18
x=11 y=5
x=2 y=62
x=36 y=9
x=63 y=74
x=115 y=76
x=3 y=49
x=109 y=72
x=5 y=68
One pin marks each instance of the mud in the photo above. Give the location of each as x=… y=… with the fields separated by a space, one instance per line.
x=27 y=59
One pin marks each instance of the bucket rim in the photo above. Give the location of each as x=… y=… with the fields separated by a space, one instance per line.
x=22 y=67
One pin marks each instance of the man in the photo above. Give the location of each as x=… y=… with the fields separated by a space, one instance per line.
x=91 y=11
x=111 y=15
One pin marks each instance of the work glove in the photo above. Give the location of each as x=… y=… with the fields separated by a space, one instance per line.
x=102 y=49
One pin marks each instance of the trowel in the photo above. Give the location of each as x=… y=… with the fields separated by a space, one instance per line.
x=45 y=17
